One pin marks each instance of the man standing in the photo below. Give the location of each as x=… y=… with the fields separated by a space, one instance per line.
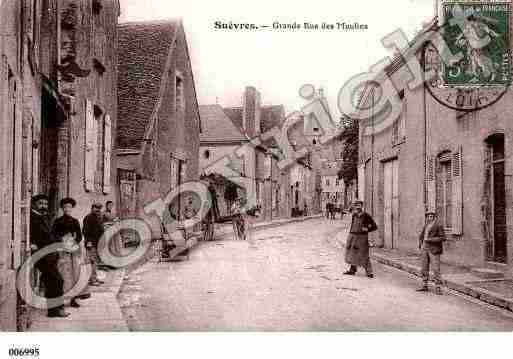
x=431 y=246
x=93 y=230
x=357 y=247
x=40 y=237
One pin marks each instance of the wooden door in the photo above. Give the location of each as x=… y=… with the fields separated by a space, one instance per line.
x=395 y=202
x=390 y=202
x=499 y=213
x=387 y=203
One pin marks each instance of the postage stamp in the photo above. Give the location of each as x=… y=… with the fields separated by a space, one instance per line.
x=481 y=32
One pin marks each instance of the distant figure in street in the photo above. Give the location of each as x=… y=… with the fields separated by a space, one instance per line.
x=239 y=223
x=93 y=230
x=40 y=237
x=109 y=218
x=357 y=247
x=333 y=209
x=431 y=241
x=328 y=209
x=108 y=215
x=305 y=210
x=67 y=229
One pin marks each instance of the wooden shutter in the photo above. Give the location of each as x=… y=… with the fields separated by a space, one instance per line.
x=431 y=182
x=90 y=147
x=457 y=192
x=107 y=151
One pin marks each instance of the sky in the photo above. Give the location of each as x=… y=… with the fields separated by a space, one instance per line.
x=279 y=62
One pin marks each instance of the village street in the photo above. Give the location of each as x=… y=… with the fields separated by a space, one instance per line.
x=289 y=278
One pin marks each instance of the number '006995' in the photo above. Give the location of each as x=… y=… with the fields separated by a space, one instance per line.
x=23 y=352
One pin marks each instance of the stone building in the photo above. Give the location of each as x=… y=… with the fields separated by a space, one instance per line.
x=254 y=119
x=440 y=158
x=157 y=143
x=230 y=130
x=333 y=188
x=221 y=139
x=58 y=97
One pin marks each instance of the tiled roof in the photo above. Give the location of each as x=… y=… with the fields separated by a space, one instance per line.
x=217 y=126
x=270 y=116
x=143 y=49
x=235 y=115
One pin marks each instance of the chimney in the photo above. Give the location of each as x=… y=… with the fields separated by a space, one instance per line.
x=251 y=111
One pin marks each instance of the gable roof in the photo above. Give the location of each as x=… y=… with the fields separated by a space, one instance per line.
x=217 y=126
x=235 y=115
x=143 y=50
x=270 y=116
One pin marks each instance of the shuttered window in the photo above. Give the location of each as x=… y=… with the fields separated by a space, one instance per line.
x=90 y=147
x=444 y=191
x=444 y=187
x=457 y=175
x=107 y=150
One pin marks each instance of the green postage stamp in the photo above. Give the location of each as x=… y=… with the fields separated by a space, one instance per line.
x=481 y=33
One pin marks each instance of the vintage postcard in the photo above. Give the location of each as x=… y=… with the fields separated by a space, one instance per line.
x=266 y=166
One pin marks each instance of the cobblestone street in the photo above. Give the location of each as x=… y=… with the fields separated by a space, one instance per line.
x=289 y=278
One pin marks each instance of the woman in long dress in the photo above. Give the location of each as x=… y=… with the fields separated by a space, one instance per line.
x=67 y=228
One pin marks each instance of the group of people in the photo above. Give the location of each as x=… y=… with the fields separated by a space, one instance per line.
x=332 y=209
x=431 y=239
x=60 y=270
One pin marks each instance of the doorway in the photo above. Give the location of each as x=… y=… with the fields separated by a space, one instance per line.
x=390 y=203
x=497 y=244
x=51 y=118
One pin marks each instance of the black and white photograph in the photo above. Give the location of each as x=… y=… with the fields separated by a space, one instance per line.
x=258 y=167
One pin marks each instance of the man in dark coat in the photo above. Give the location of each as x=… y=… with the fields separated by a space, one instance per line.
x=68 y=227
x=431 y=241
x=357 y=247
x=40 y=237
x=93 y=231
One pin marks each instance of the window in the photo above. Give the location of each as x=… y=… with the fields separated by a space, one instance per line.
x=99 y=145
x=444 y=189
x=98 y=149
x=399 y=126
x=179 y=94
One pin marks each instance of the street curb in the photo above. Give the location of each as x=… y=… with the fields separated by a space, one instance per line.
x=275 y=224
x=489 y=297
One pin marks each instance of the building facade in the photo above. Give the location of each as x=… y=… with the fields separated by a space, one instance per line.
x=333 y=189
x=58 y=100
x=159 y=126
x=222 y=141
x=434 y=157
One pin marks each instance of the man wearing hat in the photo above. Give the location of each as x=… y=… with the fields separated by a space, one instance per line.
x=40 y=237
x=431 y=241
x=357 y=247
x=93 y=231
